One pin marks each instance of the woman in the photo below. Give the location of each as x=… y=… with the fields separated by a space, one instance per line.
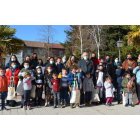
x=13 y=58
x=34 y=61
x=71 y=62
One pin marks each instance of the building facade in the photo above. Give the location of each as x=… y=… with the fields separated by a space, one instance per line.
x=42 y=49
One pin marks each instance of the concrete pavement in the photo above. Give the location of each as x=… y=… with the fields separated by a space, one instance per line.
x=94 y=110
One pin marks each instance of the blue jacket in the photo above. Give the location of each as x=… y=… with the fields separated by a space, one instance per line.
x=71 y=77
x=136 y=71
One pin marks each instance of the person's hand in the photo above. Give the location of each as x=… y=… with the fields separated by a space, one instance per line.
x=75 y=78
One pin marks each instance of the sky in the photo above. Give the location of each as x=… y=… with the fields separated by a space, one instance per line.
x=34 y=32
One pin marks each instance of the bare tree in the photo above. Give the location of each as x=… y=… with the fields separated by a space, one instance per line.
x=46 y=33
x=96 y=31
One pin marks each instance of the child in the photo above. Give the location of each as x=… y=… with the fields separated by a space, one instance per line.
x=100 y=82
x=128 y=89
x=56 y=90
x=64 y=88
x=109 y=91
x=39 y=82
x=27 y=86
x=48 y=85
x=3 y=88
x=75 y=83
x=88 y=88
x=22 y=73
x=12 y=74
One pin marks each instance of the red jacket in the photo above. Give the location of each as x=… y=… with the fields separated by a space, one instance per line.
x=9 y=74
x=3 y=84
x=55 y=85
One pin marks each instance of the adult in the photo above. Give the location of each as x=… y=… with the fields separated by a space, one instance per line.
x=64 y=60
x=116 y=63
x=59 y=65
x=13 y=58
x=95 y=63
x=71 y=62
x=110 y=70
x=129 y=64
x=34 y=61
x=86 y=65
x=136 y=71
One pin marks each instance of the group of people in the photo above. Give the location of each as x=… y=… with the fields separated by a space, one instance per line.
x=74 y=82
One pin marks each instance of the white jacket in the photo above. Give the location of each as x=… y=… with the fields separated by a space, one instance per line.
x=100 y=79
x=109 y=89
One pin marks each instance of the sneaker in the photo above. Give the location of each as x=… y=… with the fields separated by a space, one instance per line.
x=131 y=105
x=29 y=107
x=24 y=107
x=54 y=106
x=126 y=105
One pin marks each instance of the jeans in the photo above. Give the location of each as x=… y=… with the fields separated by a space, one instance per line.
x=56 y=96
x=119 y=94
x=26 y=98
x=138 y=91
x=64 y=96
x=127 y=96
x=3 y=96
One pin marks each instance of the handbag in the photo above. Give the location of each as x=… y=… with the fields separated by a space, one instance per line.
x=134 y=99
x=19 y=89
x=75 y=94
x=33 y=91
x=95 y=96
x=11 y=90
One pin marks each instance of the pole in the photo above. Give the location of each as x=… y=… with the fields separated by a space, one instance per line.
x=119 y=54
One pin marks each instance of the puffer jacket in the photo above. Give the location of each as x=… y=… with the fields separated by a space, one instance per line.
x=3 y=84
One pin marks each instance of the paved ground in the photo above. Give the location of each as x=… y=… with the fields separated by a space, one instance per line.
x=94 y=110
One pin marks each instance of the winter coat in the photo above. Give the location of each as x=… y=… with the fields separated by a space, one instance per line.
x=88 y=85
x=124 y=86
x=27 y=83
x=55 y=85
x=109 y=89
x=64 y=82
x=59 y=67
x=12 y=72
x=86 y=66
x=39 y=79
x=71 y=80
x=100 y=78
x=3 y=84
x=136 y=71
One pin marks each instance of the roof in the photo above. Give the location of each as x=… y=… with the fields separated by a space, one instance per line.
x=36 y=44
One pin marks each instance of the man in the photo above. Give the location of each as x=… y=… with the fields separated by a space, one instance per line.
x=86 y=66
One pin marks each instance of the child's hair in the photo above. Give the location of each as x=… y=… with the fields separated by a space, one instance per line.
x=26 y=62
x=74 y=67
x=126 y=73
x=54 y=74
x=87 y=73
x=1 y=68
x=108 y=78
